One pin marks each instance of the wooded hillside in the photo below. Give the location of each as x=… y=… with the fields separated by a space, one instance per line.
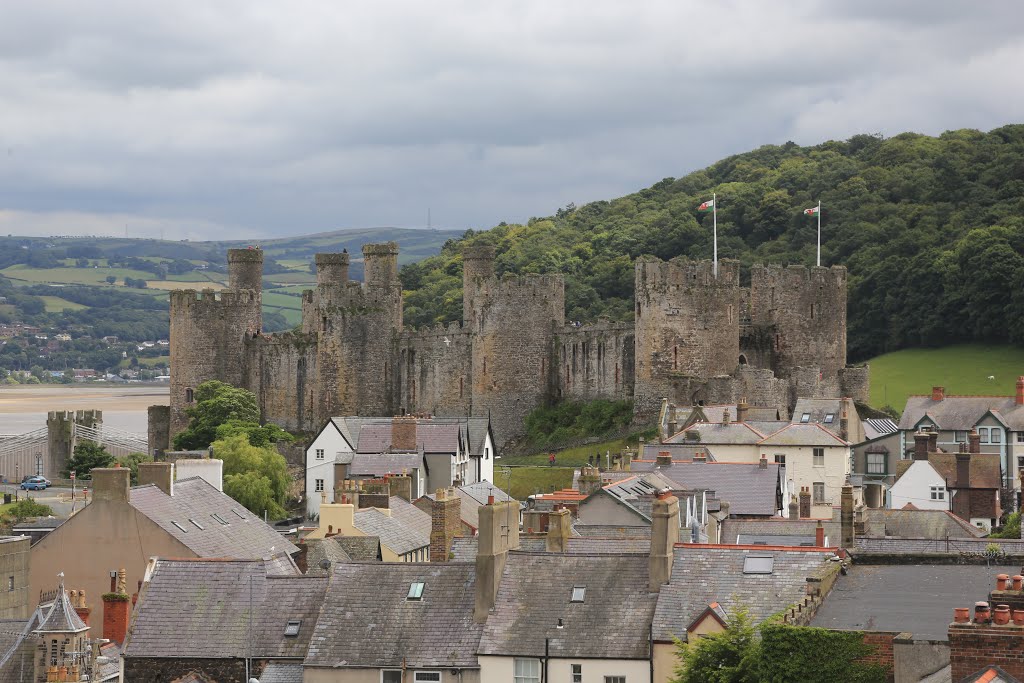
x=931 y=229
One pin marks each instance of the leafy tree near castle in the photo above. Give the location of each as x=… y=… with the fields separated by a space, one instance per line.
x=216 y=404
x=732 y=656
x=255 y=476
x=87 y=456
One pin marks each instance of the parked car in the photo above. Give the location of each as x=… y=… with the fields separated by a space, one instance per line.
x=35 y=483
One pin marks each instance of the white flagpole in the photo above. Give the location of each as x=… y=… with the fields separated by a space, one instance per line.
x=819 y=232
x=714 y=216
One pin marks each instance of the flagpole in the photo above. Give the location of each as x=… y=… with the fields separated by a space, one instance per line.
x=714 y=216
x=819 y=232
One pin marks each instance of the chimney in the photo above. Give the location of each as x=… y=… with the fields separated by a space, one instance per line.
x=159 y=473
x=559 y=526
x=497 y=534
x=844 y=426
x=348 y=493
x=111 y=484
x=403 y=433
x=963 y=470
x=819 y=535
x=1020 y=391
x=401 y=486
x=920 y=445
x=590 y=480
x=846 y=516
x=664 y=536
x=445 y=523
x=691 y=436
x=741 y=410
x=627 y=457
x=974 y=441
x=794 y=508
x=117 y=610
x=763 y=464
x=673 y=426
x=933 y=441
x=805 y=503
x=81 y=609
x=664 y=459
x=938 y=393
x=725 y=416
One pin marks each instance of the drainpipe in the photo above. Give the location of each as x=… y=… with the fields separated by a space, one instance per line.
x=544 y=676
x=650 y=648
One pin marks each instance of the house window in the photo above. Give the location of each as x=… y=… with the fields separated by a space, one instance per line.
x=577 y=673
x=829 y=417
x=391 y=676
x=614 y=679
x=780 y=459
x=818 y=491
x=526 y=670
x=10 y=583
x=319 y=485
x=426 y=677
x=1020 y=437
x=960 y=436
x=995 y=435
x=876 y=463
x=938 y=493
x=806 y=417
x=292 y=628
x=415 y=591
x=578 y=593
x=319 y=454
x=487 y=452
x=819 y=457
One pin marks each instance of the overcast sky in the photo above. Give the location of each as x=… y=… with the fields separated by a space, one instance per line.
x=213 y=119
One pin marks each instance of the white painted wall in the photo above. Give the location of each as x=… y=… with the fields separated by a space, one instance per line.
x=332 y=444
x=915 y=487
x=487 y=461
x=209 y=469
x=500 y=669
x=801 y=470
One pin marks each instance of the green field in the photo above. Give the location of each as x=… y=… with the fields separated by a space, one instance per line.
x=71 y=276
x=54 y=304
x=526 y=481
x=963 y=369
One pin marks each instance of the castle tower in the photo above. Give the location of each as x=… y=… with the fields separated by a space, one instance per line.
x=477 y=267
x=209 y=329
x=687 y=328
x=380 y=265
x=332 y=270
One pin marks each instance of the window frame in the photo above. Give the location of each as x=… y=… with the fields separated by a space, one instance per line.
x=320 y=453
x=871 y=467
x=318 y=485
x=416 y=676
x=937 y=493
x=579 y=596
x=805 y=418
x=829 y=418
x=614 y=679
x=576 y=670
x=415 y=593
x=532 y=676
x=815 y=487
x=390 y=671
x=759 y=571
x=818 y=456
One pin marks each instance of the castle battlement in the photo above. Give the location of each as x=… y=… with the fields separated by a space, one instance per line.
x=436 y=331
x=775 y=274
x=601 y=326
x=191 y=298
x=679 y=272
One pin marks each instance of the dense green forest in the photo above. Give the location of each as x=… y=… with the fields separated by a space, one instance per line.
x=931 y=229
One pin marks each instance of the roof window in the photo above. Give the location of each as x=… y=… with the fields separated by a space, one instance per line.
x=196 y=524
x=415 y=591
x=806 y=417
x=829 y=417
x=578 y=593
x=237 y=513
x=758 y=564
x=179 y=526
x=292 y=629
x=216 y=516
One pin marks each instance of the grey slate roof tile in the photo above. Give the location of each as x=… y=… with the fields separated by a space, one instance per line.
x=379 y=464
x=535 y=591
x=678 y=451
x=360 y=548
x=804 y=435
x=201 y=609
x=393 y=534
x=961 y=412
x=366 y=620
x=282 y=672
x=749 y=489
x=245 y=536
x=718 y=433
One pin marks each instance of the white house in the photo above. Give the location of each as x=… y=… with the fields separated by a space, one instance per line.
x=921 y=486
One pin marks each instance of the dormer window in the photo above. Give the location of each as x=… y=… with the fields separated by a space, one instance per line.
x=806 y=417
x=292 y=629
x=578 y=593
x=415 y=591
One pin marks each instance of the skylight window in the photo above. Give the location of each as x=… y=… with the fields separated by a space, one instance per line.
x=758 y=564
x=292 y=629
x=237 y=513
x=179 y=526
x=806 y=417
x=578 y=593
x=196 y=524
x=220 y=519
x=415 y=591
x=829 y=418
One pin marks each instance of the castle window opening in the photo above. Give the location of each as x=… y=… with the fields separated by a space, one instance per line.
x=462 y=382
x=812 y=311
x=675 y=357
x=189 y=396
x=743 y=359
x=323 y=324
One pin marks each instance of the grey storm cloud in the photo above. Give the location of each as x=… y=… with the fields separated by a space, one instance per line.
x=234 y=118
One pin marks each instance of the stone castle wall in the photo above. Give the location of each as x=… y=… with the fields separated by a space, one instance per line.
x=434 y=370
x=596 y=361
x=282 y=372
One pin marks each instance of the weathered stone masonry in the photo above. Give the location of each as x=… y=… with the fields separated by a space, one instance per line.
x=697 y=337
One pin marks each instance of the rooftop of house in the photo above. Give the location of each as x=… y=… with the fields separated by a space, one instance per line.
x=875 y=427
x=209 y=522
x=384 y=626
x=985 y=472
x=733 y=529
x=224 y=608
x=611 y=531
x=538 y=589
x=475 y=430
x=401 y=533
x=878 y=523
x=703 y=574
x=464 y=549
x=59 y=616
x=913 y=598
x=960 y=413
x=824 y=411
x=379 y=464
x=432 y=438
x=678 y=451
x=721 y=433
x=715 y=412
x=798 y=434
x=282 y=672
x=749 y=488
x=472 y=497
x=322 y=554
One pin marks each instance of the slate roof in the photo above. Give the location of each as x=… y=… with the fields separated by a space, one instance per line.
x=818 y=409
x=411 y=516
x=464 y=549
x=804 y=435
x=733 y=433
x=472 y=496
x=379 y=464
x=282 y=672
x=961 y=412
x=433 y=438
x=713 y=413
x=322 y=551
x=366 y=620
x=919 y=524
x=915 y=598
x=794 y=541
x=61 y=617
x=208 y=604
x=985 y=471
x=678 y=451
x=475 y=429
x=876 y=427
x=535 y=591
x=703 y=574
x=393 y=534
x=776 y=527
x=611 y=531
x=243 y=536
x=748 y=489
x=15 y=647
x=360 y=548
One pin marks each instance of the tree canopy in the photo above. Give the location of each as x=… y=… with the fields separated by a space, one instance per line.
x=87 y=456
x=930 y=228
x=216 y=403
x=255 y=476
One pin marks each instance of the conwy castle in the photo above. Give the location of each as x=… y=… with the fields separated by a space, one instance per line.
x=696 y=338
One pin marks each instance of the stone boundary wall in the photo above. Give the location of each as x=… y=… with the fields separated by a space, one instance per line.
x=1010 y=546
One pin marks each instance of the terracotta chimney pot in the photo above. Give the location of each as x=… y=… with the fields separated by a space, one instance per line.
x=1002 y=615
x=1018 y=582
x=1020 y=391
x=1001 y=581
x=1018 y=617
x=938 y=393
x=981 y=612
x=962 y=615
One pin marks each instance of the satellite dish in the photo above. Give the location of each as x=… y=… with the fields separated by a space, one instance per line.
x=325 y=564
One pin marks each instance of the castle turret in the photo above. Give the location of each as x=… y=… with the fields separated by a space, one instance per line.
x=477 y=266
x=332 y=269
x=245 y=269
x=380 y=265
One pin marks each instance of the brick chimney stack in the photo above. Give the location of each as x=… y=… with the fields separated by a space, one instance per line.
x=401 y=485
x=763 y=464
x=844 y=426
x=590 y=480
x=819 y=535
x=1020 y=391
x=933 y=441
x=974 y=441
x=664 y=536
x=963 y=470
x=794 y=508
x=805 y=502
x=664 y=459
x=403 y=433
x=159 y=473
x=725 y=416
x=348 y=493
x=846 y=516
x=920 y=445
x=741 y=410
x=445 y=523
x=117 y=608
x=81 y=608
x=497 y=534
x=111 y=484
x=938 y=393
x=559 y=528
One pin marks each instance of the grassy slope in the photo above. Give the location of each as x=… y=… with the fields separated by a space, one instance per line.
x=962 y=369
x=55 y=304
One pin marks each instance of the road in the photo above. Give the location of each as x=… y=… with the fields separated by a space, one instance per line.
x=57 y=497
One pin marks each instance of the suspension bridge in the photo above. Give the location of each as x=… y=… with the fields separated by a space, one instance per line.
x=44 y=451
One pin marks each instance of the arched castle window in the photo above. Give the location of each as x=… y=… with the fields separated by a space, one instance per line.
x=743 y=359
x=323 y=324
x=812 y=311
x=675 y=357
x=462 y=382
x=189 y=395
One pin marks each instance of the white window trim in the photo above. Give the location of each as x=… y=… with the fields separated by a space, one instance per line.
x=814 y=456
x=389 y=671
x=416 y=677
x=319 y=453
x=814 y=499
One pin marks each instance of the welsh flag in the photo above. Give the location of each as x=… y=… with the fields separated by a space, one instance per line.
x=707 y=206
x=813 y=211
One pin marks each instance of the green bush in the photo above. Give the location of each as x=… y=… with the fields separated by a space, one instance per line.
x=1011 y=528
x=816 y=655
x=569 y=420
